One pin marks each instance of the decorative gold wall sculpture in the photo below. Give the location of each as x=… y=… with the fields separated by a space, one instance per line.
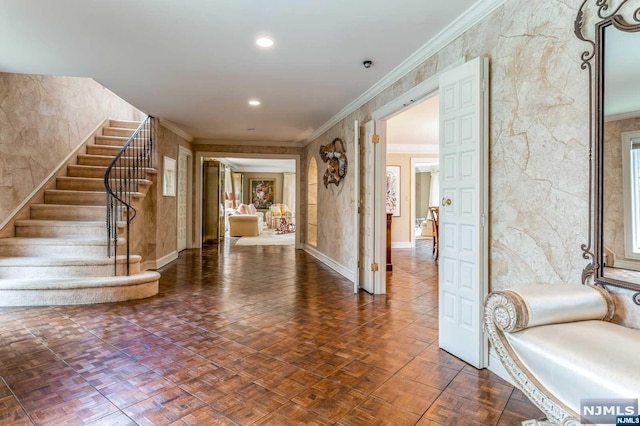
x=336 y=156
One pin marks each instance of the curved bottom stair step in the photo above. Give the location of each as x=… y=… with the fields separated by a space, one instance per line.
x=77 y=291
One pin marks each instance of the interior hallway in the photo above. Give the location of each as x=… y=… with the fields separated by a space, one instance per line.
x=260 y=334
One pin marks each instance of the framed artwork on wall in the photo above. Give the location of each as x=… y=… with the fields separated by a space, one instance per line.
x=262 y=192
x=393 y=190
x=169 y=177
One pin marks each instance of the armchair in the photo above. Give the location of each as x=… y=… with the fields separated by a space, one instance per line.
x=279 y=215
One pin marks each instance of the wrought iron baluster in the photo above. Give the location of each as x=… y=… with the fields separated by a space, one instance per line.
x=122 y=180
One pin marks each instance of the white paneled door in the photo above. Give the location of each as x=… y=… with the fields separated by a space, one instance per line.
x=463 y=280
x=183 y=166
x=367 y=206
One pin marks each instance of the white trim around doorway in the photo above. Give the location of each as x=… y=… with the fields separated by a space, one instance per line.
x=185 y=151
x=403 y=102
x=200 y=155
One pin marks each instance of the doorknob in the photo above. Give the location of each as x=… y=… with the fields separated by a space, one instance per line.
x=446 y=202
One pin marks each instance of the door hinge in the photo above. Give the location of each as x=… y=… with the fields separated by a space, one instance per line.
x=483 y=221
x=358 y=264
x=484 y=85
x=375 y=139
x=374 y=267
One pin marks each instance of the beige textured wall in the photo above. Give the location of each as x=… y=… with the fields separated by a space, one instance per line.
x=401 y=227
x=613 y=199
x=335 y=231
x=538 y=147
x=155 y=228
x=42 y=120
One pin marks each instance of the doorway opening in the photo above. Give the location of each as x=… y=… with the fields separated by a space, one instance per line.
x=234 y=184
x=462 y=211
x=412 y=161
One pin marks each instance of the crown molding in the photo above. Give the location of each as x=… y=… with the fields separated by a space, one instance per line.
x=623 y=116
x=176 y=129
x=480 y=10
x=228 y=142
x=406 y=148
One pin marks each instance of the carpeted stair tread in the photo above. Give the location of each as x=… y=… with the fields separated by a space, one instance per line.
x=71 y=223
x=115 y=138
x=89 y=184
x=72 y=239
x=76 y=282
x=124 y=124
x=79 y=193
x=63 y=261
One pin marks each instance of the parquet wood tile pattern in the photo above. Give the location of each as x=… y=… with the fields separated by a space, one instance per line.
x=249 y=335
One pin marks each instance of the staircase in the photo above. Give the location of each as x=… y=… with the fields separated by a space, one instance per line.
x=59 y=255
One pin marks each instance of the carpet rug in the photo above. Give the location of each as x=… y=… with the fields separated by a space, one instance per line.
x=268 y=238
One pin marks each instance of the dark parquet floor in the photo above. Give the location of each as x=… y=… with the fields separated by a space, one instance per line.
x=253 y=335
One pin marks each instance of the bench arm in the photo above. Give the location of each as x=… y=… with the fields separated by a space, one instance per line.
x=532 y=305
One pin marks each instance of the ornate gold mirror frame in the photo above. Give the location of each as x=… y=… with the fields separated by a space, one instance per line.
x=593 y=18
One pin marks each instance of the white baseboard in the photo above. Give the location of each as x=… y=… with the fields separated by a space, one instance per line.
x=495 y=366
x=342 y=270
x=157 y=264
x=401 y=244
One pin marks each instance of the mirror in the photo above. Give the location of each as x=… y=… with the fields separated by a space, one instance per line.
x=621 y=155
x=615 y=140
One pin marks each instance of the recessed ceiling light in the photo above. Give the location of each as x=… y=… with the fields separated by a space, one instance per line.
x=254 y=102
x=264 y=42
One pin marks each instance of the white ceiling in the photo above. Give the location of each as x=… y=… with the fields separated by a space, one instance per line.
x=415 y=130
x=260 y=165
x=195 y=62
x=622 y=62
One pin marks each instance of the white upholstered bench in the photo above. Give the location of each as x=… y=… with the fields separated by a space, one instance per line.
x=559 y=347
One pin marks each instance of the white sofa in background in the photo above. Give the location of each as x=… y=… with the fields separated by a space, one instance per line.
x=559 y=347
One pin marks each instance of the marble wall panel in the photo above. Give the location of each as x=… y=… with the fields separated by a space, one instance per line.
x=42 y=120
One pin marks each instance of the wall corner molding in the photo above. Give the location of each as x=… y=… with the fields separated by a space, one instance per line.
x=176 y=129
x=159 y=263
